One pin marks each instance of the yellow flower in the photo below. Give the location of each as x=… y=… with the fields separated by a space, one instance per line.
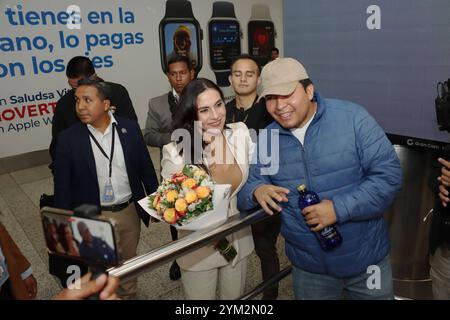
x=191 y=196
x=170 y=216
x=203 y=192
x=199 y=173
x=189 y=183
x=172 y=195
x=181 y=205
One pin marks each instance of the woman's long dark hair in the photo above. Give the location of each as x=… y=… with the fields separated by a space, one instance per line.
x=186 y=114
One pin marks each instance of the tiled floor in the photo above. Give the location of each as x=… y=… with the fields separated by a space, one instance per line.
x=19 y=212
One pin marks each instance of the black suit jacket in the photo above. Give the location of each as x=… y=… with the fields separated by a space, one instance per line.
x=65 y=115
x=75 y=175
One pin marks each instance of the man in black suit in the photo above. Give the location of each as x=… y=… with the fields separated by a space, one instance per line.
x=78 y=68
x=104 y=161
x=65 y=116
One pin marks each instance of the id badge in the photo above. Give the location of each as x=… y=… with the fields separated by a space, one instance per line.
x=108 y=192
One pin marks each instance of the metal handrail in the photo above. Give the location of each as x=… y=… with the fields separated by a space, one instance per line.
x=139 y=265
x=266 y=284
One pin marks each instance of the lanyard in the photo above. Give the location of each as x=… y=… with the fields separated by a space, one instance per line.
x=110 y=158
x=247 y=112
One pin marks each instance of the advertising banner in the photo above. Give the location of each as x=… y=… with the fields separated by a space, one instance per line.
x=128 y=42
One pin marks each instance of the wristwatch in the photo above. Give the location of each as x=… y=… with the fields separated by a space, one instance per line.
x=261 y=33
x=224 y=36
x=180 y=34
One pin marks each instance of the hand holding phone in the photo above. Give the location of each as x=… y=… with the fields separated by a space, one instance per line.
x=104 y=286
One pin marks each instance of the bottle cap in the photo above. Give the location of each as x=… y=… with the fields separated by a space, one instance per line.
x=301 y=187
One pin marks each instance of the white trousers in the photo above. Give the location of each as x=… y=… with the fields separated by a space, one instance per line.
x=202 y=285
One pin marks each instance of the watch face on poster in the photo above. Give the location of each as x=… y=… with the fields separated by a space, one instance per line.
x=224 y=43
x=180 y=37
x=261 y=39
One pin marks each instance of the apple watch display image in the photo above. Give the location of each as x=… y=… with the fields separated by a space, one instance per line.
x=261 y=39
x=224 y=35
x=179 y=38
x=180 y=34
x=225 y=43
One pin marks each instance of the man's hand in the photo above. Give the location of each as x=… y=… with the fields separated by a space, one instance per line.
x=267 y=193
x=31 y=285
x=443 y=195
x=444 y=179
x=107 y=285
x=320 y=215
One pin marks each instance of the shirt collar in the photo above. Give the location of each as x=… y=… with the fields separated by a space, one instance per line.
x=108 y=129
x=175 y=95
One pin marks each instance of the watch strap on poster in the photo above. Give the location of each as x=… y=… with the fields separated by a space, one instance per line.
x=222 y=78
x=260 y=12
x=223 y=9
x=178 y=9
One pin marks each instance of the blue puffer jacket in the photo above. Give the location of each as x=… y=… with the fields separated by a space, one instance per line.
x=346 y=158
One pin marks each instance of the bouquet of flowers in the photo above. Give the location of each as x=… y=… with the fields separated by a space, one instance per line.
x=186 y=195
x=189 y=200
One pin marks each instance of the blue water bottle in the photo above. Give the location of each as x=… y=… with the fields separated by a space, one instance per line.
x=329 y=237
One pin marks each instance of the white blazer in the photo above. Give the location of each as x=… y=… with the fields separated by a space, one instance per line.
x=242 y=147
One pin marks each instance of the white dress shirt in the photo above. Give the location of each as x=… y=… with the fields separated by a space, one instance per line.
x=175 y=95
x=119 y=175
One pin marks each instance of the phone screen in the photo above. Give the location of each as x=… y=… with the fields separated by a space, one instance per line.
x=89 y=240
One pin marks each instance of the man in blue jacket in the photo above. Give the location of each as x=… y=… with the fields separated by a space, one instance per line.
x=338 y=150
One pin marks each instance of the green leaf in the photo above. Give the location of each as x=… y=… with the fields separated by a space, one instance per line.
x=187 y=171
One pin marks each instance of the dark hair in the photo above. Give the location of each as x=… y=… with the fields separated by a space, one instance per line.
x=179 y=58
x=248 y=57
x=103 y=89
x=305 y=83
x=62 y=236
x=275 y=49
x=186 y=113
x=79 y=67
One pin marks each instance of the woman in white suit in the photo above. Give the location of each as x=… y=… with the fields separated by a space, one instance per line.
x=224 y=153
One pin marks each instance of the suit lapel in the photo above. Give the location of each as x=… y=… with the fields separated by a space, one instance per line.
x=86 y=149
x=126 y=148
x=237 y=154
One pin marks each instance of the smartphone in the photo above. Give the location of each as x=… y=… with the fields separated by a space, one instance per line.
x=90 y=240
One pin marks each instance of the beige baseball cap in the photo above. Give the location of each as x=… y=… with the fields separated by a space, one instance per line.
x=280 y=77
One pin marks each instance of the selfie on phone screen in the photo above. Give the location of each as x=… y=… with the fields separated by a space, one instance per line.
x=87 y=239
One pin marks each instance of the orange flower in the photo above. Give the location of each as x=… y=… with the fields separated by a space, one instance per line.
x=203 y=192
x=170 y=216
x=190 y=197
x=172 y=195
x=181 y=205
x=189 y=183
